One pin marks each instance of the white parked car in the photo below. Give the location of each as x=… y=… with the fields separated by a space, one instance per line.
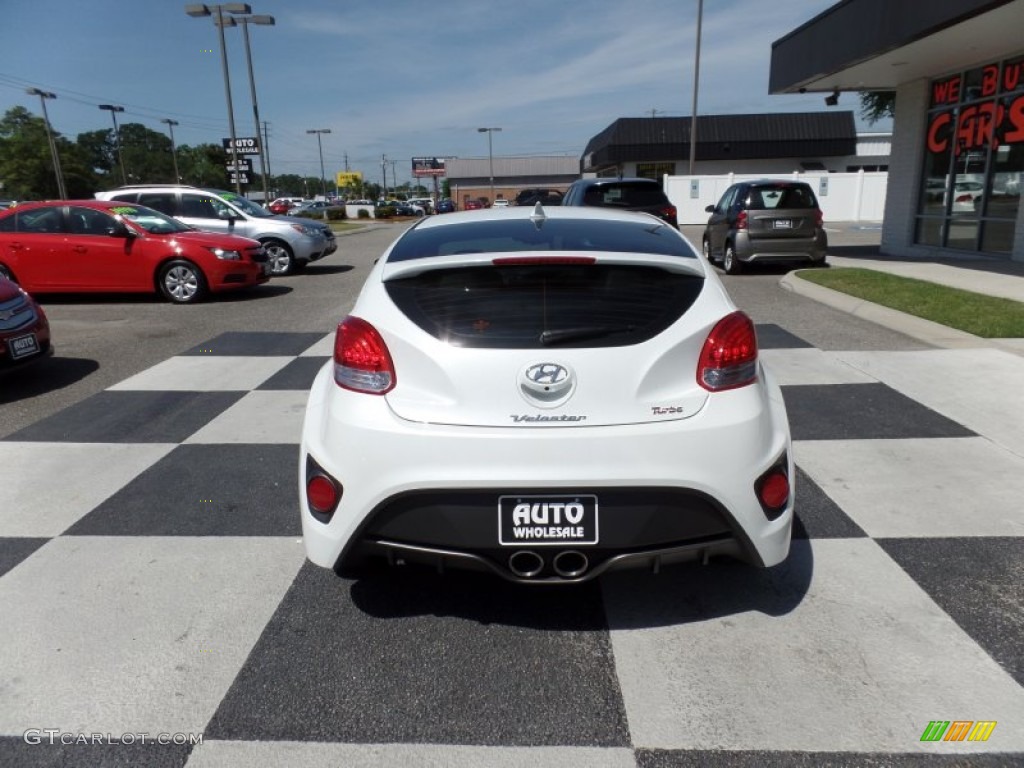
x=500 y=203
x=546 y=394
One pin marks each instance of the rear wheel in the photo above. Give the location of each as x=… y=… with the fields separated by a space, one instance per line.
x=730 y=263
x=706 y=250
x=182 y=282
x=282 y=262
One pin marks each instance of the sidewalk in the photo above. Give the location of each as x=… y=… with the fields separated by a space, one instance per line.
x=976 y=273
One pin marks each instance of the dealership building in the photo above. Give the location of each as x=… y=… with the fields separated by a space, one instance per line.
x=957 y=67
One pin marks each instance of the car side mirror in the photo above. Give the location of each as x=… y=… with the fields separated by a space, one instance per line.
x=709 y=209
x=120 y=230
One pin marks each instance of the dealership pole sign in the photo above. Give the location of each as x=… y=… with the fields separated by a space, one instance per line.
x=428 y=166
x=249 y=145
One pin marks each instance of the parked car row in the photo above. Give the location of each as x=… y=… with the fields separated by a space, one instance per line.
x=291 y=243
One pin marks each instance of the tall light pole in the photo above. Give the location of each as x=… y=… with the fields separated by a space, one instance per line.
x=696 y=81
x=245 y=21
x=323 y=181
x=490 y=155
x=43 y=96
x=113 y=110
x=174 y=151
x=220 y=21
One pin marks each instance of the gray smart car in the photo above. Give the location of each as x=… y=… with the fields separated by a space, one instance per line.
x=768 y=220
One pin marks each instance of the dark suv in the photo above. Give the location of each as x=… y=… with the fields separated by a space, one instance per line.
x=645 y=195
x=542 y=196
x=765 y=220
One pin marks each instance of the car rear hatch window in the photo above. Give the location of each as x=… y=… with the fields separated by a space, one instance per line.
x=625 y=195
x=541 y=305
x=781 y=211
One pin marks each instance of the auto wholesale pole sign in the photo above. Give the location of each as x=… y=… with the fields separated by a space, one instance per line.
x=428 y=166
x=249 y=145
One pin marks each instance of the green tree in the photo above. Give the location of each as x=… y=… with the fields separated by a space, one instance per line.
x=26 y=164
x=877 y=105
x=203 y=165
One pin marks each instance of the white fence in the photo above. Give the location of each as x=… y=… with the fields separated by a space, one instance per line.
x=843 y=196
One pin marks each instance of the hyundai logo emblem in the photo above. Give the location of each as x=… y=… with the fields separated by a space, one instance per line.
x=547 y=373
x=546 y=384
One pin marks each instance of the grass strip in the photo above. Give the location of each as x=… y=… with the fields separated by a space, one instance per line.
x=987 y=316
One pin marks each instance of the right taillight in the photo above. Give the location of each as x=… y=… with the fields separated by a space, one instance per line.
x=729 y=357
x=362 y=362
x=741 y=220
x=819 y=218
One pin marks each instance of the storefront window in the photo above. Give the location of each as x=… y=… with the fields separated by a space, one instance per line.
x=655 y=170
x=974 y=161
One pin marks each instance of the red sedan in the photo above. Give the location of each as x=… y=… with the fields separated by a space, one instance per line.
x=24 y=329
x=99 y=246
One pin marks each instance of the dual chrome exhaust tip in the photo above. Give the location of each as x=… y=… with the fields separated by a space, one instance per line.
x=569 y=564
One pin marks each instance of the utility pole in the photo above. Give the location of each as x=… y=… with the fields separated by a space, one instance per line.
x=696 y=82
x=43 y=96
x=384 y=174
x=174 y=152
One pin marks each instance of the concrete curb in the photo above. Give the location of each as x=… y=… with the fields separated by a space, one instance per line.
x=915 y=327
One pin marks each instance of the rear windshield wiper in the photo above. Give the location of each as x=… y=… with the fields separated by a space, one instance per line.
x=549 y=338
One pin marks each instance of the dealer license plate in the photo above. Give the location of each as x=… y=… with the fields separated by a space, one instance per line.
x=783 y=223
x=547 y=520
x=23 y=346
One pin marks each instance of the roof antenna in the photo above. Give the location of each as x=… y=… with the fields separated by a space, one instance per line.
x=538 y=217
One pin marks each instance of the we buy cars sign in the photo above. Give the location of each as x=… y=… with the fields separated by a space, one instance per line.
x=249 y=145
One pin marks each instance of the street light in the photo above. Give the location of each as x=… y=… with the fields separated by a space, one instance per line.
x=220 y=21
x=490 y=155
x=174 y=152
x=43 y=96
x=113 y=110
x=323 y=181
x=245 y=21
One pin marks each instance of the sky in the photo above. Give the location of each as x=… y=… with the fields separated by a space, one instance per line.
x=398 y=78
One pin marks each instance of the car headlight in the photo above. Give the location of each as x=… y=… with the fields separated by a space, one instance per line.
x=306 y=229
x=221 y=253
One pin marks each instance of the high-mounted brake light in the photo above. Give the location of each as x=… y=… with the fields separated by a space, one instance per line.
x=729 y=357
x=362 y=362
x=520 y=261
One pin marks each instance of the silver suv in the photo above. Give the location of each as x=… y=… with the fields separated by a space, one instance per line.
x=291 y=243
x=767 y=220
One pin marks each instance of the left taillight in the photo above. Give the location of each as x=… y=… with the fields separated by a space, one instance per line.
x=729 y=357
x=362 y=362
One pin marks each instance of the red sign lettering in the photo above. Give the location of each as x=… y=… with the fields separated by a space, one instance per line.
x=1017 y=118
x=990 y=80
x=946 y=91
x=936 y=143
x=1011 y=76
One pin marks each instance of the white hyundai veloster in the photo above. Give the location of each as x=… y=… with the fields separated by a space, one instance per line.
x=547 y=394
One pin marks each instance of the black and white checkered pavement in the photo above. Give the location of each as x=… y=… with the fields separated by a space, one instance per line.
x=152 y=581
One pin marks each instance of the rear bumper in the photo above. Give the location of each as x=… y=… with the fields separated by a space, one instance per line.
x=667 y=492
x=765 y=249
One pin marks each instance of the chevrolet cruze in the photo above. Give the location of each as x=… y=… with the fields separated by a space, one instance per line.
x=67 y=246
x=546 y=394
